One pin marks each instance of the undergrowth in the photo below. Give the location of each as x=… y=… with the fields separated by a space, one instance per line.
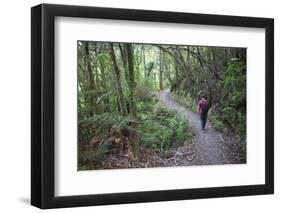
x=154 y=127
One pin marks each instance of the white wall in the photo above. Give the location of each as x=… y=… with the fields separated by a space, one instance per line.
x=15 y=104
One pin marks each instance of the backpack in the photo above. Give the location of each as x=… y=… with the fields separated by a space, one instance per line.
x=205 y=107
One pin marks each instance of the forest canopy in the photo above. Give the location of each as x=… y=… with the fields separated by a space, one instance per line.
x=118 y=99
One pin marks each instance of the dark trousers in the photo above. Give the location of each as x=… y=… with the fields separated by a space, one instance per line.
x=203 y=119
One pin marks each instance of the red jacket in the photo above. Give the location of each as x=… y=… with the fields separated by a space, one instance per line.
x=200 y=104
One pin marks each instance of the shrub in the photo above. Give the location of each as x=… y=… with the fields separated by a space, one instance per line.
x=164 y=128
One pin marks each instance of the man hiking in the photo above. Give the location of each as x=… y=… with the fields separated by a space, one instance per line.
x=203 y=108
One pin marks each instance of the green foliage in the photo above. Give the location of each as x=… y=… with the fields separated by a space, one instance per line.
x=149 y=66
x=144 y=93
x=95 y=155
x=101 y=124
x=164 y=128
x=82 y=166
x=104 y=129
x=146 y=100
x=232 y=110
x=217 y=124
x=156 y=127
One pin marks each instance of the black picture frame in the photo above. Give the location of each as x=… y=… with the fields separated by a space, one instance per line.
x=43 y=105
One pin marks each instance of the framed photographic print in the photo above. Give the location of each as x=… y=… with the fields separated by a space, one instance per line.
x=139 y=106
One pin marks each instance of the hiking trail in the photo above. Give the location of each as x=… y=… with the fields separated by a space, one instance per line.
x=210 y=147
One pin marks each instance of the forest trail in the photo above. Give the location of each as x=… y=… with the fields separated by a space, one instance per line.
x=121 y=124
x=207 y=148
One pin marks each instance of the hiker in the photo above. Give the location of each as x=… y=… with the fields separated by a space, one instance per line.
x=203 y=108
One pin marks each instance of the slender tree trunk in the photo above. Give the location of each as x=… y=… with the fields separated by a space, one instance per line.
x=160 y=70
x=95 y=65
x=92 y=85
x=143 y=55
x=176 y=70
x=120 y=97
x=213 y=60
x=132 y=83
x=104 y=87
x=125 y=61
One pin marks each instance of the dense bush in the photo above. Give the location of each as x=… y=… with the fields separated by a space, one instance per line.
x=164 y=128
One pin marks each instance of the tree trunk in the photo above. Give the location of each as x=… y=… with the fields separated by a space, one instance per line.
x=143 y=55
x=214 y=62
x=92 y=85
x=160 y=70
x=125 y=61
x=131 y=75
x=104 y=86
x=120 y=97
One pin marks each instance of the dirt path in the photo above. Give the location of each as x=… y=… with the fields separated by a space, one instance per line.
x=207 y=148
